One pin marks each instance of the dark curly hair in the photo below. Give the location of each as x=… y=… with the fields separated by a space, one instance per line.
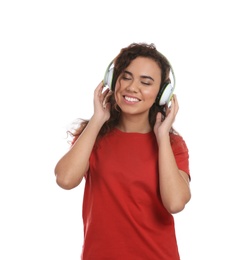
x=122 y=60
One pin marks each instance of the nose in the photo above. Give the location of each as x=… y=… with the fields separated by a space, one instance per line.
x=132 y=87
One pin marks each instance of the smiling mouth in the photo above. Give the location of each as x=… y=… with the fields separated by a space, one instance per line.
x=131 y=99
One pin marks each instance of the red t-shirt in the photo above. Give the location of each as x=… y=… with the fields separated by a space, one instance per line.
x=124 y=218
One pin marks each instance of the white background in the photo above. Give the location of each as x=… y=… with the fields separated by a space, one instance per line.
x=52 y=56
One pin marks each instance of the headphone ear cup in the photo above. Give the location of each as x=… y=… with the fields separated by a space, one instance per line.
x=108 y=77
x=165 y=94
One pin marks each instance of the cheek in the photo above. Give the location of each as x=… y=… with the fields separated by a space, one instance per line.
x=117 y=91
x=118 y=87
x=150 y=93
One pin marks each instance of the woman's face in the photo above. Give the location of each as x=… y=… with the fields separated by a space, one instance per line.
x=137 y=86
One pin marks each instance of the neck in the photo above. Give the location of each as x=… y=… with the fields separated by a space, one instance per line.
x=134 y=124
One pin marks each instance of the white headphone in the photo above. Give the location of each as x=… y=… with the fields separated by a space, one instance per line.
x=165 y=93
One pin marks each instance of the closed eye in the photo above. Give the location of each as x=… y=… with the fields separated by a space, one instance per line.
x=126 y=75
x=147 y=80
x=146 y=83
x=126 y=78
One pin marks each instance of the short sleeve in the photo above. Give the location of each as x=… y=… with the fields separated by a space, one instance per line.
x=181 y=152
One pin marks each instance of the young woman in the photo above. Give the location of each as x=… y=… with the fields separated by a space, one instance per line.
x=136 y=167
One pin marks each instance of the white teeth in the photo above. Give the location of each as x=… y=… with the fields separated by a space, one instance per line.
x=131 y=99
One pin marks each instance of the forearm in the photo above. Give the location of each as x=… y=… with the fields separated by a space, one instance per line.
x=71 y=168
x=174 y=184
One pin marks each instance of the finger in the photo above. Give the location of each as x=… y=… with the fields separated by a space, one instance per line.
x=174 y=107
x=109 y=94
x=172 y=102
x=176 y=104
x=99 y=88
x=101 y=93
x=106 y=97
x=107 y=105
x=158 y=118
x=104 y=94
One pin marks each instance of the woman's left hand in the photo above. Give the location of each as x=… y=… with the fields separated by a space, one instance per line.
x=163 y=127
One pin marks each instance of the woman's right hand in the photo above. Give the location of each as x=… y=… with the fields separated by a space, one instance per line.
x=73 y=166
x=101 y=102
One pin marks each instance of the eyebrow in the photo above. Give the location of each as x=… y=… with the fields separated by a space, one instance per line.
x=142 y=76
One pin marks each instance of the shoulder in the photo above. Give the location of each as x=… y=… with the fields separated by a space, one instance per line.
x=178 y=143
x=180 y=151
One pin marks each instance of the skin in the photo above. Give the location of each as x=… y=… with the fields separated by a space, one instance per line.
x=135 y=92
